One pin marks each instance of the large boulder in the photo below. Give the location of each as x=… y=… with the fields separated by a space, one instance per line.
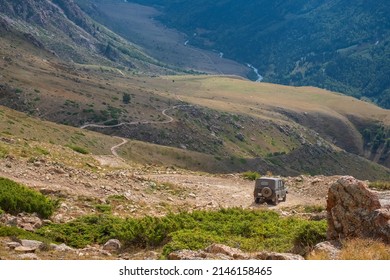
x=356 y=211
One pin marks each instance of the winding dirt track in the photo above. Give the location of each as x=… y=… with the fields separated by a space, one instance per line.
x=114 y=148
x=169 y=119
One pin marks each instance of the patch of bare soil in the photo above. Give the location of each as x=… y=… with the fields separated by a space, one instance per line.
x=234 y=191
x=140 y=191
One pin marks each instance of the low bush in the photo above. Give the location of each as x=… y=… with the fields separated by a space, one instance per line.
x=14 y=232
x=16 y=198
x=250 y=230
x=78 y=149
x=313 y=208
x=250 y=175
x=103 y=208
x=310 y=234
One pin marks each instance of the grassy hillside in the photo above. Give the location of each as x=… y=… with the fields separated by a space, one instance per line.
x=210 y=123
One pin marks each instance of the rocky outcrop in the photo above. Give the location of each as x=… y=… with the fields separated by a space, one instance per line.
x=355 y=211
x=29 y=222
x=223 y=252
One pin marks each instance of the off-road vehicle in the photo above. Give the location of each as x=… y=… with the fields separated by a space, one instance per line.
x=269 y=190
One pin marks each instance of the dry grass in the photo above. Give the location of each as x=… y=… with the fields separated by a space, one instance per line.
x=240 y=95
x=14 y=124
x=364 y=249
x=358 y=249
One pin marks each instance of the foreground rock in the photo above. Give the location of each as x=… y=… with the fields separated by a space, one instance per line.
x=329 y=249
x=112 y=245
x=355 y=211
x=223 y=252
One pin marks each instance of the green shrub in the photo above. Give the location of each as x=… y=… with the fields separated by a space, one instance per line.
x=16 y=198
x=104 y=208
x=78 y=149
x=126 y=98
x=1 y=211
x=190 y=240
x=6 y=231
x=250 y=230
x=82 y=232
x=250 y=175
x=310 y=234
x=313 y=208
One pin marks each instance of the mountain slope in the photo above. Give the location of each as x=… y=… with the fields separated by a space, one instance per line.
x=338 y=45
x=240 y=126
x=61 y=27
x=208 y=123
x=136 y=23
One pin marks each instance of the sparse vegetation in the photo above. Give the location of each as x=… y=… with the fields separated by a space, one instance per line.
x=19 y=233
x=380 y=185
x=16 y=198
x=103 y=208
x=309 y=235
x=358 y=249
x=364 y=249
x=78 y=149
x=126 y=98
x=250 y=175
x=313 y=208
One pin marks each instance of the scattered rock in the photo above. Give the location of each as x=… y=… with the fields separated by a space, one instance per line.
x=61 y=248
x=112 y=245
x=355 y=211
x=277 y=256
x=23 y=249
x=226 y=250
x=328 y=248
x=240 y=136
x=28 y=256
x=33 y=244
x=13 y=245
x=223 y=252
x=29 y=222
x=195 y=255
x=59 y=218
x=192 y=195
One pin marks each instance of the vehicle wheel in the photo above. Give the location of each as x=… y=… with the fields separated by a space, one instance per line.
x=266 y=192
x=284 y=198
